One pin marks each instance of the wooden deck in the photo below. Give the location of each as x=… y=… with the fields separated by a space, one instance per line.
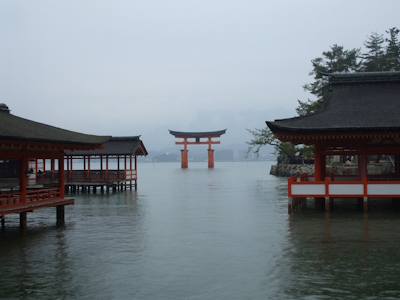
x=11 y=202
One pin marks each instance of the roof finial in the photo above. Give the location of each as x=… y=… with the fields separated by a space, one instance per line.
x=4 y=108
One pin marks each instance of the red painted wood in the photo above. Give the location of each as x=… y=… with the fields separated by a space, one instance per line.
x=61 y=180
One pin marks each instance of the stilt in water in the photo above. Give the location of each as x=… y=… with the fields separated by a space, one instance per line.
x=22 y=221
x=60 y=215
x=359 y=204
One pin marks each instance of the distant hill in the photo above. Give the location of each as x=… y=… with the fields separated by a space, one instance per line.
x=166 y=157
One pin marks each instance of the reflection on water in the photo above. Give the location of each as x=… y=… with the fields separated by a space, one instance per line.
x=201 y=234
x=101 y=234
x=342 y=256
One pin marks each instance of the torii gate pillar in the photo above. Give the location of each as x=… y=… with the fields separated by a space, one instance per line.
x=197 y=136
x=210 y=158
x=184 y=159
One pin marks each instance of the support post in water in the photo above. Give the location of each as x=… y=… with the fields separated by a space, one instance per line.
x=60 y=215
x=22 y=221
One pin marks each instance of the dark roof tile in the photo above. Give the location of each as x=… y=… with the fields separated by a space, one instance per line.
x=182 y=134
x=20 y=129
x=128 y=145
x=358 y=106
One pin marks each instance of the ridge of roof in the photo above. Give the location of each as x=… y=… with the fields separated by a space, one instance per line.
x=125 y=138
x=197 y=134
x=357 y=77
x=114 y=147
x=19 y=129
x=371 y=104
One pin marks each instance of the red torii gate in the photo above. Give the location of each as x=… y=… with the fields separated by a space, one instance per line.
x=197 y=136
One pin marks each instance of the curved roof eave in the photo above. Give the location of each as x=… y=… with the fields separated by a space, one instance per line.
x=197 y=134
x=13 y=128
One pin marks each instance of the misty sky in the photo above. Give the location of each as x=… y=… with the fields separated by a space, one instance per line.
x=142 y=67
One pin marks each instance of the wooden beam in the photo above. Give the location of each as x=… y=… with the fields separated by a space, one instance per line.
x=198 y=143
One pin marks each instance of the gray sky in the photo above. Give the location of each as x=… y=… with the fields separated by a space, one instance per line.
x=142 y=67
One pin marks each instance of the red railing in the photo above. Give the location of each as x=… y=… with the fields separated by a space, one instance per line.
x=32 y=197
x=10 y=200
x=130 y=175
x=97 y=175
x=343 y=189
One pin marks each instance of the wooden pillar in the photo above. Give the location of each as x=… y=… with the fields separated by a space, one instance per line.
x=360 y=204
x=210 y=155
x=107 y=168
x=362 y=164
x=68 y=170
x=70 y=174
x=397 y=166
x=365 y=204
x=118 y=165
x=210 y=158
x=327 y=204
x=184 y=155
x=130 y=161
x=22 y=221
x=60 y=214
x=320 y=172
x=184 y=159
x=61 y=179
x=319 y=203
x=131 y=170
x=52 y=169
x=396 y=201
x=319 y=163
x=88 y=172
x=136 y=172
x=125 y=169
x=84 y=167
x=3 y=223
x=290 y=205
x=36 y=170
x=101 y=167
x=22 y=176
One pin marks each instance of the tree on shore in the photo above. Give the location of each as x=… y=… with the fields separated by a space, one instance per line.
x=336 y=60
x=374 y=58
x=264 y=136
x=393 y=50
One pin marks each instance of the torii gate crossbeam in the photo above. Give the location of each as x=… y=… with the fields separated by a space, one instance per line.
x=197 y=136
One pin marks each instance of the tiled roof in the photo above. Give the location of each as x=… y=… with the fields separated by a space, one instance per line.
x=13 y=128
x=128 y=145
x=357 y=102
x=180 y=134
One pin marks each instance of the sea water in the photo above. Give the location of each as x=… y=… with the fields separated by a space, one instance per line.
x=200 y=233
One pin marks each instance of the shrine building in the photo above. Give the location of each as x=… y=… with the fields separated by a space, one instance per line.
x=22 y=144
x=114 y=167
x=197 y=136
x=360 y=118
